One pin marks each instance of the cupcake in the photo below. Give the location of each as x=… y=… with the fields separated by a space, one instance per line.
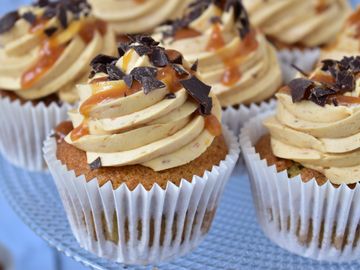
x=45 y=50
x=137 y=16
x=347 y=42
x=142 y=171
x=303 y=163
x=231 y=56
x=298 y=28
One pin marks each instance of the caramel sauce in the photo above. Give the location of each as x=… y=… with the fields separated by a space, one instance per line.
x=80 y=131
x=321 y=6
x=118 y=91
x=62 y=130
x=87 y=32
x=213 y=125
x=169 y=76
x=49 y=54
x=216 y=41
x=122 y=39
x=354 y=18
x=232 y=73
x=139 y=1
x=186 y=33
x=126 y=60
x=346 y=100
x=323 y=78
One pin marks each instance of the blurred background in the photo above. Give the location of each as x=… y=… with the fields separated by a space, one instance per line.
x=26 y=250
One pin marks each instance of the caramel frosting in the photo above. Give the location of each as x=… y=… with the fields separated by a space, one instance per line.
x=235 y=59
x=46 y=48
x=148 y=107
x=309 y=23
x=137 y=16
x=347 y=42
x=318 y=121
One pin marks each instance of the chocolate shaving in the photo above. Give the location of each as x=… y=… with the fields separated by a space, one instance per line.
x=114 y=73
x=200 y=92
x=29 y=17
x=128 y=79
x=142 y=49
x=194 y=66
x=62 y=16
x=197 y=8
x=179 y=70
x=49 y=13
x=50 y=31
x=344 y=73
x=146 y=76
x=170 y=96
x=158 y=57
x=299 y=88
x=96 y=164
x=8 y=21
x=103 y=59
x=299 y=70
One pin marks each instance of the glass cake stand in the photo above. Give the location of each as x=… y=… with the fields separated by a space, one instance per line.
x=235 y=240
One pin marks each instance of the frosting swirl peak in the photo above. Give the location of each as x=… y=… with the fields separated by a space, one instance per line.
x=146 y=107
x=46 y=48
x=232 y=56
x=318 y=121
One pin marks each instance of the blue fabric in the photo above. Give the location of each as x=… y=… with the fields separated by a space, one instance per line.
x=28 y=250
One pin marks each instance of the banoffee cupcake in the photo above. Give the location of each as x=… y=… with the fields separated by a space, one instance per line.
x=304 y=164
x=347 y=42
x=45 y=51
x=230 y=55
x=298 y=28
x=142 y=172
x=137 y=16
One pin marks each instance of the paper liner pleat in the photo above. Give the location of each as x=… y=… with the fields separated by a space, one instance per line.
x=235 y=118
x=23 y=129
x=305 y=59
x=140 y=226
x=319 y=222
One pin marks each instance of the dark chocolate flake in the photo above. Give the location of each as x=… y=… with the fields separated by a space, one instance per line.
x=179 y=70
x=194 y=66
x=319 y=95
x=200 y=92
x=170 y=96
x=62 y=16
x=128 y=79
x=327 y=63
x=96 y=164
x=8 y=21
x=29 y=17
x=158 y=57
x=114 y=73
x=141 y=49
x=103 y=59
x=299 y=88
x=345 y=80
x=49 y=13
x=150 y=84
x=50 y=31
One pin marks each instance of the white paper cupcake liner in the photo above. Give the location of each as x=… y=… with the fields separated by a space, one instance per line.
x=236 y=118
x=304 y=59
x=23 y=129
x=319 y=222
x=140 y=226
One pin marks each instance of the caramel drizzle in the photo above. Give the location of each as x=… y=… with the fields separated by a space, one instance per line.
x=80 y=131
x=186 y=33
x=213 y=125
x=51 y=49
x=232 y=73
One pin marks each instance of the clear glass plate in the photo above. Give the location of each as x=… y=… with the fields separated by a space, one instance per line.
x=235 y=240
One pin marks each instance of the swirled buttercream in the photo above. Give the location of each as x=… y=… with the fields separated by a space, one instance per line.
x=137 y=16
x=307 y=22
x=318 y=121
x=234 y=58
x=147 y=107
x=47 y=49
x=347 y=42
